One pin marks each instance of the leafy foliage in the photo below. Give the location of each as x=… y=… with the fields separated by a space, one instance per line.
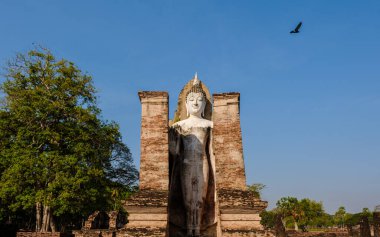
x=256 y=189
x=268 y=219
x=54 y=148
x=340 y=216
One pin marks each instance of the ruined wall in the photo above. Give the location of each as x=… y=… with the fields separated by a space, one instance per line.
x=154 y=170
x=242 y=233
x=41 y=234
x=318 y=234
x=227 y=142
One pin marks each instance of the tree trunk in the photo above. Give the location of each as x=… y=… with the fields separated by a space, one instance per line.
x=295 y=226
x=52 y=224
x=279 y=226
x=38 y=216
x=46 y=219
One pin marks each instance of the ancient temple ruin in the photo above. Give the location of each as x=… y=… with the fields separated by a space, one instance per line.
x=237 y=209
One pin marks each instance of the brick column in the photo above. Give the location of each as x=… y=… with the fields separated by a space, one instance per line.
x=154 y=153
x=227 y=142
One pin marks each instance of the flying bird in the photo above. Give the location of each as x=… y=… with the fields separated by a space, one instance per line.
x=296 y=30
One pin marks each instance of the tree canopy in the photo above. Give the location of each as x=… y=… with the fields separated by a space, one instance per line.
x=57 y=156
x=304 y=212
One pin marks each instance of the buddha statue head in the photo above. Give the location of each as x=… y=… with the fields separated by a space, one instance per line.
x=196 y=99
x=182 y=112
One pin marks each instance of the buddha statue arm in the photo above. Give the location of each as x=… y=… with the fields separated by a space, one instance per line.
x=211 y=152
x=173 y=141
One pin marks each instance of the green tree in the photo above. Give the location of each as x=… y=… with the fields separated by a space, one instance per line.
x=323 y=221
x=352 y=219
x=56 y=154
x=290 y=207
x=302 y=213
x=310 y=210
x=340 y=216
x=268 y=219
x=256 y=189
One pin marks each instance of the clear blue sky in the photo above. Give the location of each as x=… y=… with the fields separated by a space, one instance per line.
x=310 y=103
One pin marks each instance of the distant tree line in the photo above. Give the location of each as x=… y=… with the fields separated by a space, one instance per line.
x=307 y=214
x=59 y=160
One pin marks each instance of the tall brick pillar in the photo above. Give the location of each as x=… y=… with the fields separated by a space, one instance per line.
x=154 y=167
x=147 y=208
x=239 y=208
x=227 y=141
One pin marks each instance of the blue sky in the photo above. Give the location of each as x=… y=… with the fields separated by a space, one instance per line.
x=310 y=103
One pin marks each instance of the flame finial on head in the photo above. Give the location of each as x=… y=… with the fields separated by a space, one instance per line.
x=196 y=80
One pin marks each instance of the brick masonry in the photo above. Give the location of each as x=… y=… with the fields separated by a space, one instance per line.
x=227 y=142
x=318 y=234
x=248 y=233
x=154 y=169
x=42 y=234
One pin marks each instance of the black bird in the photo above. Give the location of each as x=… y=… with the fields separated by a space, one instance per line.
x=296 y=30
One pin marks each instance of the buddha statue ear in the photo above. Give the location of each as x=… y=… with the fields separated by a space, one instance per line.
x=187 y=110
x=203 y=107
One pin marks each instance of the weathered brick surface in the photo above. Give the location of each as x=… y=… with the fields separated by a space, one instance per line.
x=95 y=233
x=239 y=212
x=227 y=142
x=137 y=232
x=147 y=209
x=154 y=167
x=247 y=233
x=235 y=199
x=147 y=198
x=42 y=234
x=88 y=224
x=317 y=234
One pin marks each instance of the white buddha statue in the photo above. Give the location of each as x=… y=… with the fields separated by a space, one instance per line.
x=192 y=167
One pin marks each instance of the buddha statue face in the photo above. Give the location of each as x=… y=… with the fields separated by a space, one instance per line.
x=195 y=104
